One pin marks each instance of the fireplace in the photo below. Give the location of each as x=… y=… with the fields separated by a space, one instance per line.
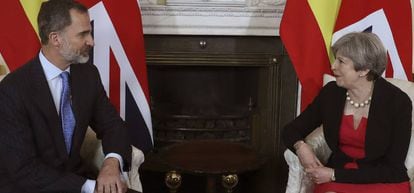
x=202 y=102
x=235 y=88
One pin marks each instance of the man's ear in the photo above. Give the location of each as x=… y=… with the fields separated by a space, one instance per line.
x=55 y=39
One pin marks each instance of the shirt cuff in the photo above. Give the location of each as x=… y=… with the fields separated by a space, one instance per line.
x=117 y=156
x=88 y=186
x=124 y=175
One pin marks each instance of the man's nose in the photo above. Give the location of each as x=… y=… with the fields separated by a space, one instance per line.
x=90 y=41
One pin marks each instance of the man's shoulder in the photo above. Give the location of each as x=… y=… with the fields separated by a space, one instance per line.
x=22 y=74
x=85 y=69
x=84 y=66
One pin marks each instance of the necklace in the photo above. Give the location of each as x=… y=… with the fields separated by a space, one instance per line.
x=355 y=104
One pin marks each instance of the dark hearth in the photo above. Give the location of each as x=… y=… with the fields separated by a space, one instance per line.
x=200 y=102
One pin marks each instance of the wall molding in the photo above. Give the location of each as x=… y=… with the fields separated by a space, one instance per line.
x=215 y=18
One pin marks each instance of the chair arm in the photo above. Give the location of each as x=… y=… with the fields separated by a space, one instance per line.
x=298 y=182
x=133 y=174
x=93 y=156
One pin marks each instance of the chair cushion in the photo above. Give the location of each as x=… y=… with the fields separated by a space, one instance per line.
x=316 y=140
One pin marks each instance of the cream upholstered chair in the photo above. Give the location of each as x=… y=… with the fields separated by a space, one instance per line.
x=92 y=151
x=298 y=182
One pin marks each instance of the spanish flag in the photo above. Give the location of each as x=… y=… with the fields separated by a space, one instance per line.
x=19 y=41
x=309 y=28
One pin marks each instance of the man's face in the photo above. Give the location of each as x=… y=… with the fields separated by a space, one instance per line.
x=77 y=38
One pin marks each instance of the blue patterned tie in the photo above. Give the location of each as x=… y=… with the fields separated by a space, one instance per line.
x=66 y=113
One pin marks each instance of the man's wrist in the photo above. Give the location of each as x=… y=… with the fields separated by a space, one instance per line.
x=112 y=162
x=118 y=157
x=333 y=176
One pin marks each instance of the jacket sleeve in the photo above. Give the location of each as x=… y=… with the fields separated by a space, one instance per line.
x=307 y=121
x=19 y=157
x=108 y=125
x=389 y=168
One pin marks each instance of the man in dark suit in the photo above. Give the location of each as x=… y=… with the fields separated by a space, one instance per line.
x=43 y=119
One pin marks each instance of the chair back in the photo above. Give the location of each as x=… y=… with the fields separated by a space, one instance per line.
x=408 y=87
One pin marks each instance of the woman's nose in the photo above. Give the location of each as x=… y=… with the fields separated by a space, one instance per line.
x=333 y=66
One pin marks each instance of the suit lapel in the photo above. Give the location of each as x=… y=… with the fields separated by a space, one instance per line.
x=335 y=111
x=376 y=124
x=76 y=86
x=44 y=101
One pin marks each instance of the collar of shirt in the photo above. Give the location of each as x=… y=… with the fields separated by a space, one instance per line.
x=50 y=70
x=53 y=79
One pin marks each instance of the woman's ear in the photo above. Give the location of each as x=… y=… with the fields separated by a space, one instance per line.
x=363 y=73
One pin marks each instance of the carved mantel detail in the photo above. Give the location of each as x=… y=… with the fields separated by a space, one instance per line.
x=212 y=17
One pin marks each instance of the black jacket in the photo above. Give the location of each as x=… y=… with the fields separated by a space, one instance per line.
x=387 y=135
x=32 y=148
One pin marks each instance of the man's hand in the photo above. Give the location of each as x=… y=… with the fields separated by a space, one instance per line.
x=109 y=178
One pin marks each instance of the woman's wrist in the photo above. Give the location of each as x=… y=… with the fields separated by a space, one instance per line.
x=298 y=145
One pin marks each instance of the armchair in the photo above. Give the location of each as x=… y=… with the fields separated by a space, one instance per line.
x=92 y=151
x=298 y=182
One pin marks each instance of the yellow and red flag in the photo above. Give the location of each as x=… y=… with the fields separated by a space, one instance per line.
x=18 y=38
x=309 y=27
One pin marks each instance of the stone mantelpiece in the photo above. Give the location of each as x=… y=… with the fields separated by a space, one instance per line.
x=212 y=17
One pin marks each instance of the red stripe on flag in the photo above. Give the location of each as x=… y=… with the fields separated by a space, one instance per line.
x=89 y=3
x=18 y=40
x=304 y=43
x=398 y=16
x=114 y=83
x=131 y=36
x=389 y=71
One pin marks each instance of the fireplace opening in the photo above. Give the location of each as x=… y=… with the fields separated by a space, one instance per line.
x=202 y=102
x=258 y=89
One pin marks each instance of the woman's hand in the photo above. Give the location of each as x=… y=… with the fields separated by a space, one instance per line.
x=306 y=155
x=320 y=175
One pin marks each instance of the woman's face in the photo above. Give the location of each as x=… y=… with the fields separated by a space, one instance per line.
x=344 y=71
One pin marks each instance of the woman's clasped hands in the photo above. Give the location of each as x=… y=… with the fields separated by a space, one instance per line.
x=314 y=169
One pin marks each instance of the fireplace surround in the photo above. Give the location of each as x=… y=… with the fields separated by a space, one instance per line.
x=237 y=88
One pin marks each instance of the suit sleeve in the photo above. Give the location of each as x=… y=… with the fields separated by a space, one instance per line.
x=19 y=157
x=108 y=125
x=390 y=168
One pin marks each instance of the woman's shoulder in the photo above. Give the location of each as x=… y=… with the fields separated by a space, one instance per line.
x=391 y=86
x=394 y=88
x=331 y=87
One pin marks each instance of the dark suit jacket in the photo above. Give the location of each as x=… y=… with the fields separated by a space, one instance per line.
x=387 y=135
x=32 y=149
